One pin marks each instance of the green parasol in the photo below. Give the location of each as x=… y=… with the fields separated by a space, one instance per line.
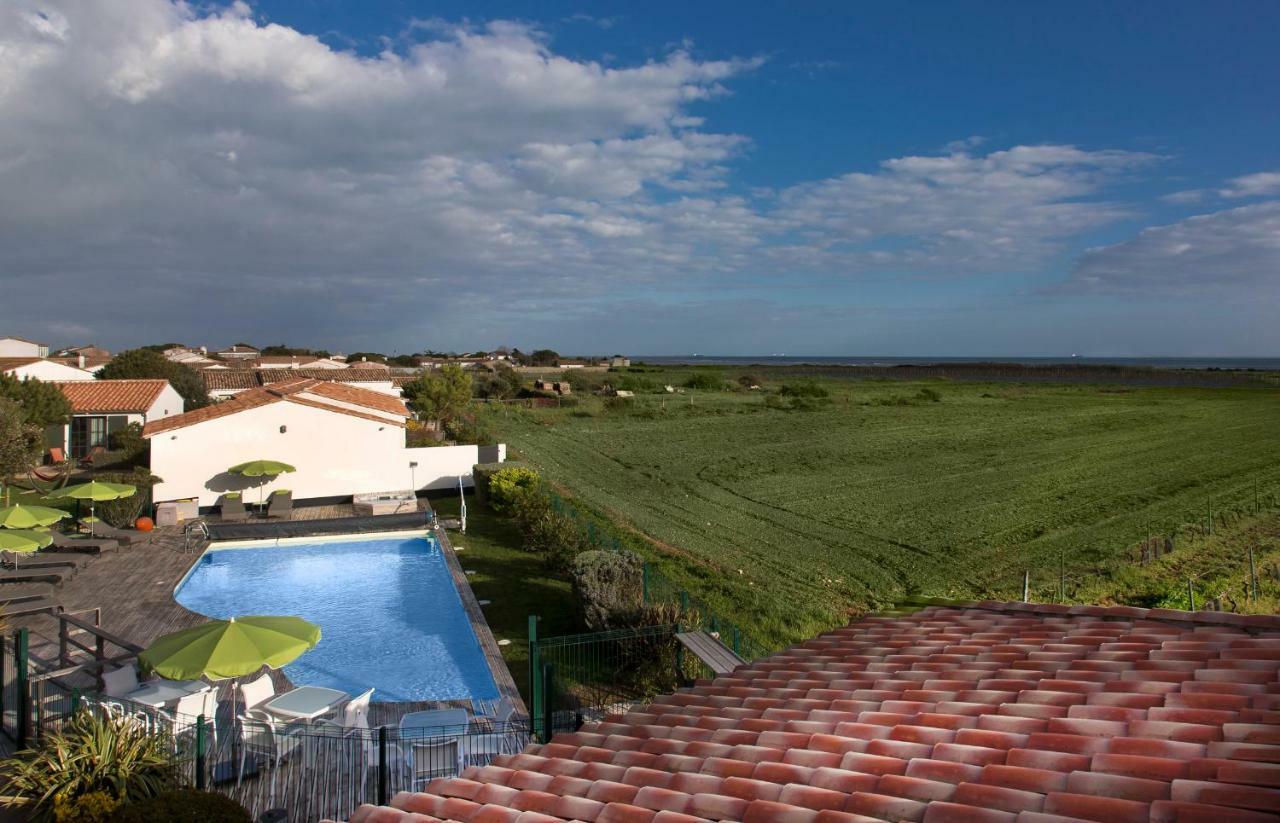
x=93 y=491
x=261 y=468
x=20 y=541
x=22 y=516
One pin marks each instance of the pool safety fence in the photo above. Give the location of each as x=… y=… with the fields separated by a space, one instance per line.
x=696 y=614
x=310 y=771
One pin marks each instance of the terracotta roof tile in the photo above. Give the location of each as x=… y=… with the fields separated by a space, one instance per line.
x=300 y=391
x=112 y=396
x=1042 y=726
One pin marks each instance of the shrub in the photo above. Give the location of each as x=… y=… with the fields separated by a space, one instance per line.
x=121 y=513
x=184 y=806
x=90 y=754
x=129 y=440
x=482 y=473
x=94 y=807
x=709 y=380
x=803 y=390
x=508 y=487
x=746 y=381
x=144 y=363
x=931 y=395
x=640 y=385
x=608 y=586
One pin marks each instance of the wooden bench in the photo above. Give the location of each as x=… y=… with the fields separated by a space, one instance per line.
x=717 y=656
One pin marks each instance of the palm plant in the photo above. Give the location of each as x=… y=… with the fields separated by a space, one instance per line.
x=91 y=754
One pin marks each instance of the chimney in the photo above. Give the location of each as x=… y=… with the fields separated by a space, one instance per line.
x=364 y=360
x=204 y=349
x=80 y=360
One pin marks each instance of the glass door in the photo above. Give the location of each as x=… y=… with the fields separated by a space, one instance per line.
x=87 y=432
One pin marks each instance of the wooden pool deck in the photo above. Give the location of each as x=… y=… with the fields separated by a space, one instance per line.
x=134 y=588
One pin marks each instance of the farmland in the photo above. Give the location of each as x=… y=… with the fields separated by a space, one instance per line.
x=788 y=520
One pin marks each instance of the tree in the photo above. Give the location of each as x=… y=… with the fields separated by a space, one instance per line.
x=503 y=384
x=41 y=404
x=440 y=397
x=371 y=356
x=137 y=364
x=21 y=443
x=406 y=360
x=544 y=357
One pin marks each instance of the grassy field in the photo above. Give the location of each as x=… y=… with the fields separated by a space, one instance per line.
x=789 y=520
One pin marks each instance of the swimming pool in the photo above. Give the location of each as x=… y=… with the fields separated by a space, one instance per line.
x=387 y=607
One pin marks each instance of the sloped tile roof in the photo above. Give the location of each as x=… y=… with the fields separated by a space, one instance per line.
x=351 y=375
x=10 y=363
x=985 y=712
x=291 y=391
x=229 y=379
x=111 y=396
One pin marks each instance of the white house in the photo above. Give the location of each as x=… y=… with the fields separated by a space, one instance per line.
x=238 y=352
x=342 y=440
x=100 y=408
x=18 y=347
x=39 y=368
x=296 y=361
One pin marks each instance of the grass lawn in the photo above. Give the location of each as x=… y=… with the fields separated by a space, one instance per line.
x=517 y=583
x=787 y=521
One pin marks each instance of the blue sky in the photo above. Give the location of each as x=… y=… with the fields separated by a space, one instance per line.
x=736 y=178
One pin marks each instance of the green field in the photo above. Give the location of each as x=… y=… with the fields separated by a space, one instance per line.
x=790 y=520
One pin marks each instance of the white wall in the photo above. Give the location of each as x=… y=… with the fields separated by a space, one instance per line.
x=167 y=404
x=49 y=371
x=336 y=455
x=12 y=347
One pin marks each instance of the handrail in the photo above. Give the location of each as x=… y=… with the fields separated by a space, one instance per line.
x=103 y=633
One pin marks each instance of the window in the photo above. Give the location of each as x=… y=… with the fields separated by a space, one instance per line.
x=87 y=432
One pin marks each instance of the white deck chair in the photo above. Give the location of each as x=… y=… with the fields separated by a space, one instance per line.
x=266 y=742
x=352 y=715
x=431 y=757
x=254 y=694
x=182 y=720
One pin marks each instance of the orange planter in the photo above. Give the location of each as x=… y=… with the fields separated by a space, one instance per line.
x=144 y=524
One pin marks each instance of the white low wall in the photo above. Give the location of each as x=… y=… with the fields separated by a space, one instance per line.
x=335 y=455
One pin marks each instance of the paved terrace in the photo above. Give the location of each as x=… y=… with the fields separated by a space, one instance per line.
x=980 y=712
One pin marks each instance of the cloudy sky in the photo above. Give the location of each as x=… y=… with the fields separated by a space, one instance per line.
x=731 y=178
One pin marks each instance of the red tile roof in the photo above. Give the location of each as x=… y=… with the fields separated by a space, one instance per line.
x=111 y=396
x=234 y=379
x=975 y=712
x=11 y=363
x=291 y=391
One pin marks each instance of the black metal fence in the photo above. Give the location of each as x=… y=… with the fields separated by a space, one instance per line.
x=309 y=771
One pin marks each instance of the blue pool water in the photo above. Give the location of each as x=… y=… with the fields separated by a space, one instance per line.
x=389 y=613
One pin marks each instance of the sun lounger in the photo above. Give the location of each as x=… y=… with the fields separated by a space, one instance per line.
x=86 y=545
x=124 y=536
x=28 y=604
x=280 y=504
x=22 y=576
x=231 y=507
x=96 y=453
x=44 y=562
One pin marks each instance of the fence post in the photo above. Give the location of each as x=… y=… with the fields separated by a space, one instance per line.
x=1191 y=595
x=535 y=673
x=1253 y=577
x=4 y=650
x=684 y=602
x=23 y=686
x=547 y=708
x=1026 y=587
x=735 y=640
x=200 y=752
x=644 y=582
x=1062 y=578
x=1210 y=515
x=382 y=765
x=75 y=701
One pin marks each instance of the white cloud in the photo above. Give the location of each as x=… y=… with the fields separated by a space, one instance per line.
x=1228 y=253
x=959 y=211
x=223 y=173
x=1252 y=185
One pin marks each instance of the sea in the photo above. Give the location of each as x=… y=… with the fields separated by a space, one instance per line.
x=1223 y=363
